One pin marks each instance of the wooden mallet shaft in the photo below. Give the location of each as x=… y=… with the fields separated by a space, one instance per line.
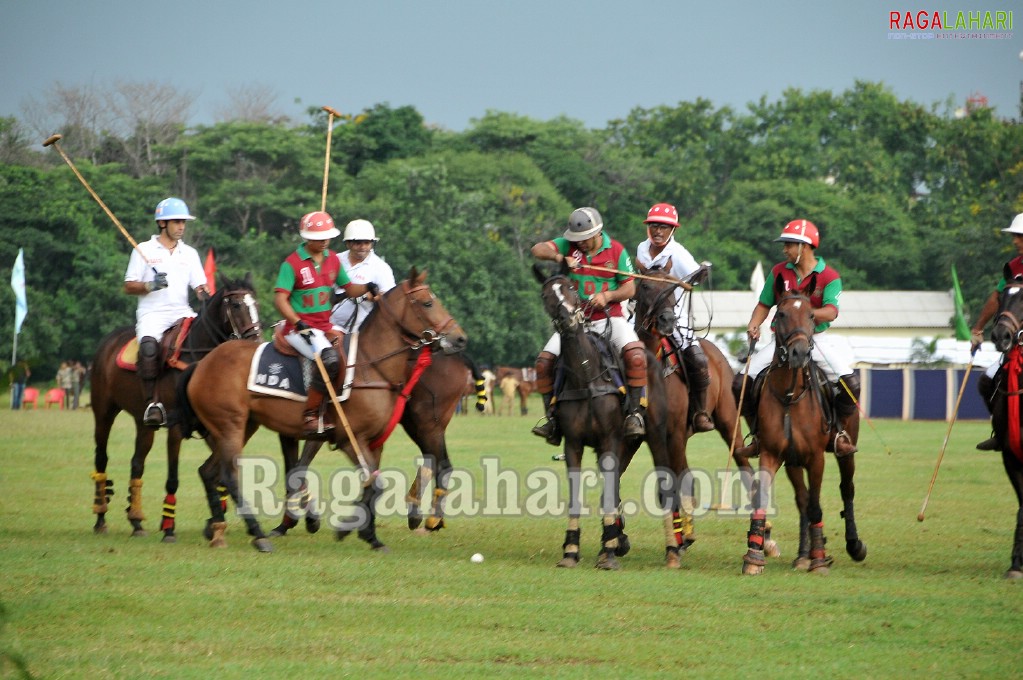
x=331 y=112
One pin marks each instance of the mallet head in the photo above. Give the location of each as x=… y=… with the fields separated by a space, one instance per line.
x=52 y=139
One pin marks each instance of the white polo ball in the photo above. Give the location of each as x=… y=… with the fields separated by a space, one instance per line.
x=476 y=558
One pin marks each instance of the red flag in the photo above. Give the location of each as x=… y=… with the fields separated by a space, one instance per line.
x=210 y=267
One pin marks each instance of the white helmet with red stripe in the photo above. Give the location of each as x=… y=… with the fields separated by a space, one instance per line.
x=1017 y=225
x=800 y=231
x=317 y=226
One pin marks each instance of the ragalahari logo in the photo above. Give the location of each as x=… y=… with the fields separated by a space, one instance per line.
x=946 y=25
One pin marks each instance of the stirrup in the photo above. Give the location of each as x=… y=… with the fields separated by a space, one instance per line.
x=702 y=422
x=751 y=450
x=549 y=431
x=155 y=416
x=843 y=444
x=314 y=428
x=990 y=444
x=634 y=425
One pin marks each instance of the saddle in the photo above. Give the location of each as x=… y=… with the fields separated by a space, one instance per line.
x=278 y=370
x=609 y=381
x=820 y=388
x=170 y=347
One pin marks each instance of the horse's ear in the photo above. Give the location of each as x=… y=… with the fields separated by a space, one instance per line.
x=538 y=273
x=812 y=284
x=248 y=281
x=1007 y=272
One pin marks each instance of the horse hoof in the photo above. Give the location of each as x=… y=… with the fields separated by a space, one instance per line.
x=312 y=524
x=822 y=570
x=342 y=534
x=262 y=545
x=169 y=538
x=820 y=565
x=139 y=533
x=801 y=564
x=771 y=549
x=857 y=550
x=278 y=531
x=216 y=534
x=1013 y=575
x=381 y=548
x=569 y=562
x=672 y=559
x=749 y=569
x=414 y=522
x=624 y=546
x=434 y=523
x=100 y=529
x=608 y=562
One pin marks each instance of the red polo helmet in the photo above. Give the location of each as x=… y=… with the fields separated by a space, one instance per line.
x=662 y=213
x=800 y=231
x=317 y=226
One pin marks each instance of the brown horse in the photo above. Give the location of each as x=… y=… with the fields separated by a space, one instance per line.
x=230 y=313
x=406 y=317
x=794 y=426
x=655 y=323
x=1006 y=410
x=589 y=413
x=527 y=384
x=430 y=408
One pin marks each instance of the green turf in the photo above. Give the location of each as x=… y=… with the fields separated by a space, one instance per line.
x=929 y=599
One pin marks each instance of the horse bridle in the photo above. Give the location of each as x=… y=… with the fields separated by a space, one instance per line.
x=783 y=342
x=428 y=335
x=650 y=322
x=1010 y=320
x=250 y=331
x=574 y=315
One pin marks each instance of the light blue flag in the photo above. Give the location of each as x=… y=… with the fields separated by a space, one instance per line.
x=18 y=284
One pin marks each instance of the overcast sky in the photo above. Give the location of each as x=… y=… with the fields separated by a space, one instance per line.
x=453 y=60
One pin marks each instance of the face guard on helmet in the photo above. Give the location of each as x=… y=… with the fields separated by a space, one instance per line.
x=317 y=226
x=662 y=214
x=172 y=209
x=583 y=223
x=360 y=230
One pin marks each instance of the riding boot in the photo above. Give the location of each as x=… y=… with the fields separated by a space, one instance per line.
x=845 y=409
x=634 y=355
x=311 y=428
x=148 y=367
x=749 y=411
x=986 y=387
x=547 y=428
x=699 y=380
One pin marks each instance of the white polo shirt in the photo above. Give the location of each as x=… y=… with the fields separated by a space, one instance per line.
x=158 y=310
x=371 y=270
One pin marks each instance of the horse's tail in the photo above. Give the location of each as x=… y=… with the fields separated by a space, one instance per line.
x=478 y=380
x=189 y=422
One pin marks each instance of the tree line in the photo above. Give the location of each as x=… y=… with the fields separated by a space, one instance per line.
x=899 y=190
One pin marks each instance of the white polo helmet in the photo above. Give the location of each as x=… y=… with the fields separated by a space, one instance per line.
x=1017 y=225
x=360 y=230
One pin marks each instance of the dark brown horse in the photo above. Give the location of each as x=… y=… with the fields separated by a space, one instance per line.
x=405 y=318
x=589 y=413
x=794 y=425
x=427 y=414
x=1006 y=411
x=655 y=323
x=231 y=313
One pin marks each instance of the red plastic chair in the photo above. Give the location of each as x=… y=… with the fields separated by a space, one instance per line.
x=30 y=397
x=55 y=396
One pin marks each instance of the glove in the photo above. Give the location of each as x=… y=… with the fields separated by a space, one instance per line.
x=302 y=328
x=976 y=338
x=700 y=275
x=159 y=282
x=372 y=289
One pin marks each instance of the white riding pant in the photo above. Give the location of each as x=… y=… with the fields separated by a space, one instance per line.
x=622 y=333
x=834 y=357
x=316 y=343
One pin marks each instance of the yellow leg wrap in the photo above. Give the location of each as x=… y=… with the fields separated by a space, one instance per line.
x=104 y=489
x=135 y=500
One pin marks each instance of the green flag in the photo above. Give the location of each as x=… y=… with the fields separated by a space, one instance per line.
x=961 y=327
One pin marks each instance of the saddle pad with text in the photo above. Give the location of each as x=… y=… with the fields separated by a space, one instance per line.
x=276 y=374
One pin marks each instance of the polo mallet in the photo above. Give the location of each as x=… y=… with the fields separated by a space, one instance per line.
x=326 y=163
x=344 y=419
x=738 y=419
x=52 y=141
x=670 y=279
x=955 y=414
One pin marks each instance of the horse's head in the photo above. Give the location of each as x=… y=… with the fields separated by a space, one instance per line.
x=420 y=315
x=560 y=299
x=655 y=302
x=793 y=324
x=236 y=309
x=1008 y=330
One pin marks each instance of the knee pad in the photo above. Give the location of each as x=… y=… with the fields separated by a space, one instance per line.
x=149 y=348
x=545 y=372
x=852 y=381
x=845 y=402
x=331 y=362
x=634 y=356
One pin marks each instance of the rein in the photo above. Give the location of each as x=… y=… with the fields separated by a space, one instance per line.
x=214 y=332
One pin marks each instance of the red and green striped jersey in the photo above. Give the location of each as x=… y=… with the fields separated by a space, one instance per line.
x=311 y=287
x=610 y=255
x=827 y=292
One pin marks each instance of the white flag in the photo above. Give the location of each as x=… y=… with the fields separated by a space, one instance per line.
x=756 y=279
x=18 y=284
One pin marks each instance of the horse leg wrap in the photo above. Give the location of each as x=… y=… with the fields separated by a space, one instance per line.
x=222 y=490
x=570 y=548
x=134 y=508
x=435 y=522
x=609 y=536
x=755 y=540
x=170 y=506
x=817 y=541
x=294 y=506
x=676 y=524
x=103 y=493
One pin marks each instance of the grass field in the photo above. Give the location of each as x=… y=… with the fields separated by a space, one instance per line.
x=929 y=599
